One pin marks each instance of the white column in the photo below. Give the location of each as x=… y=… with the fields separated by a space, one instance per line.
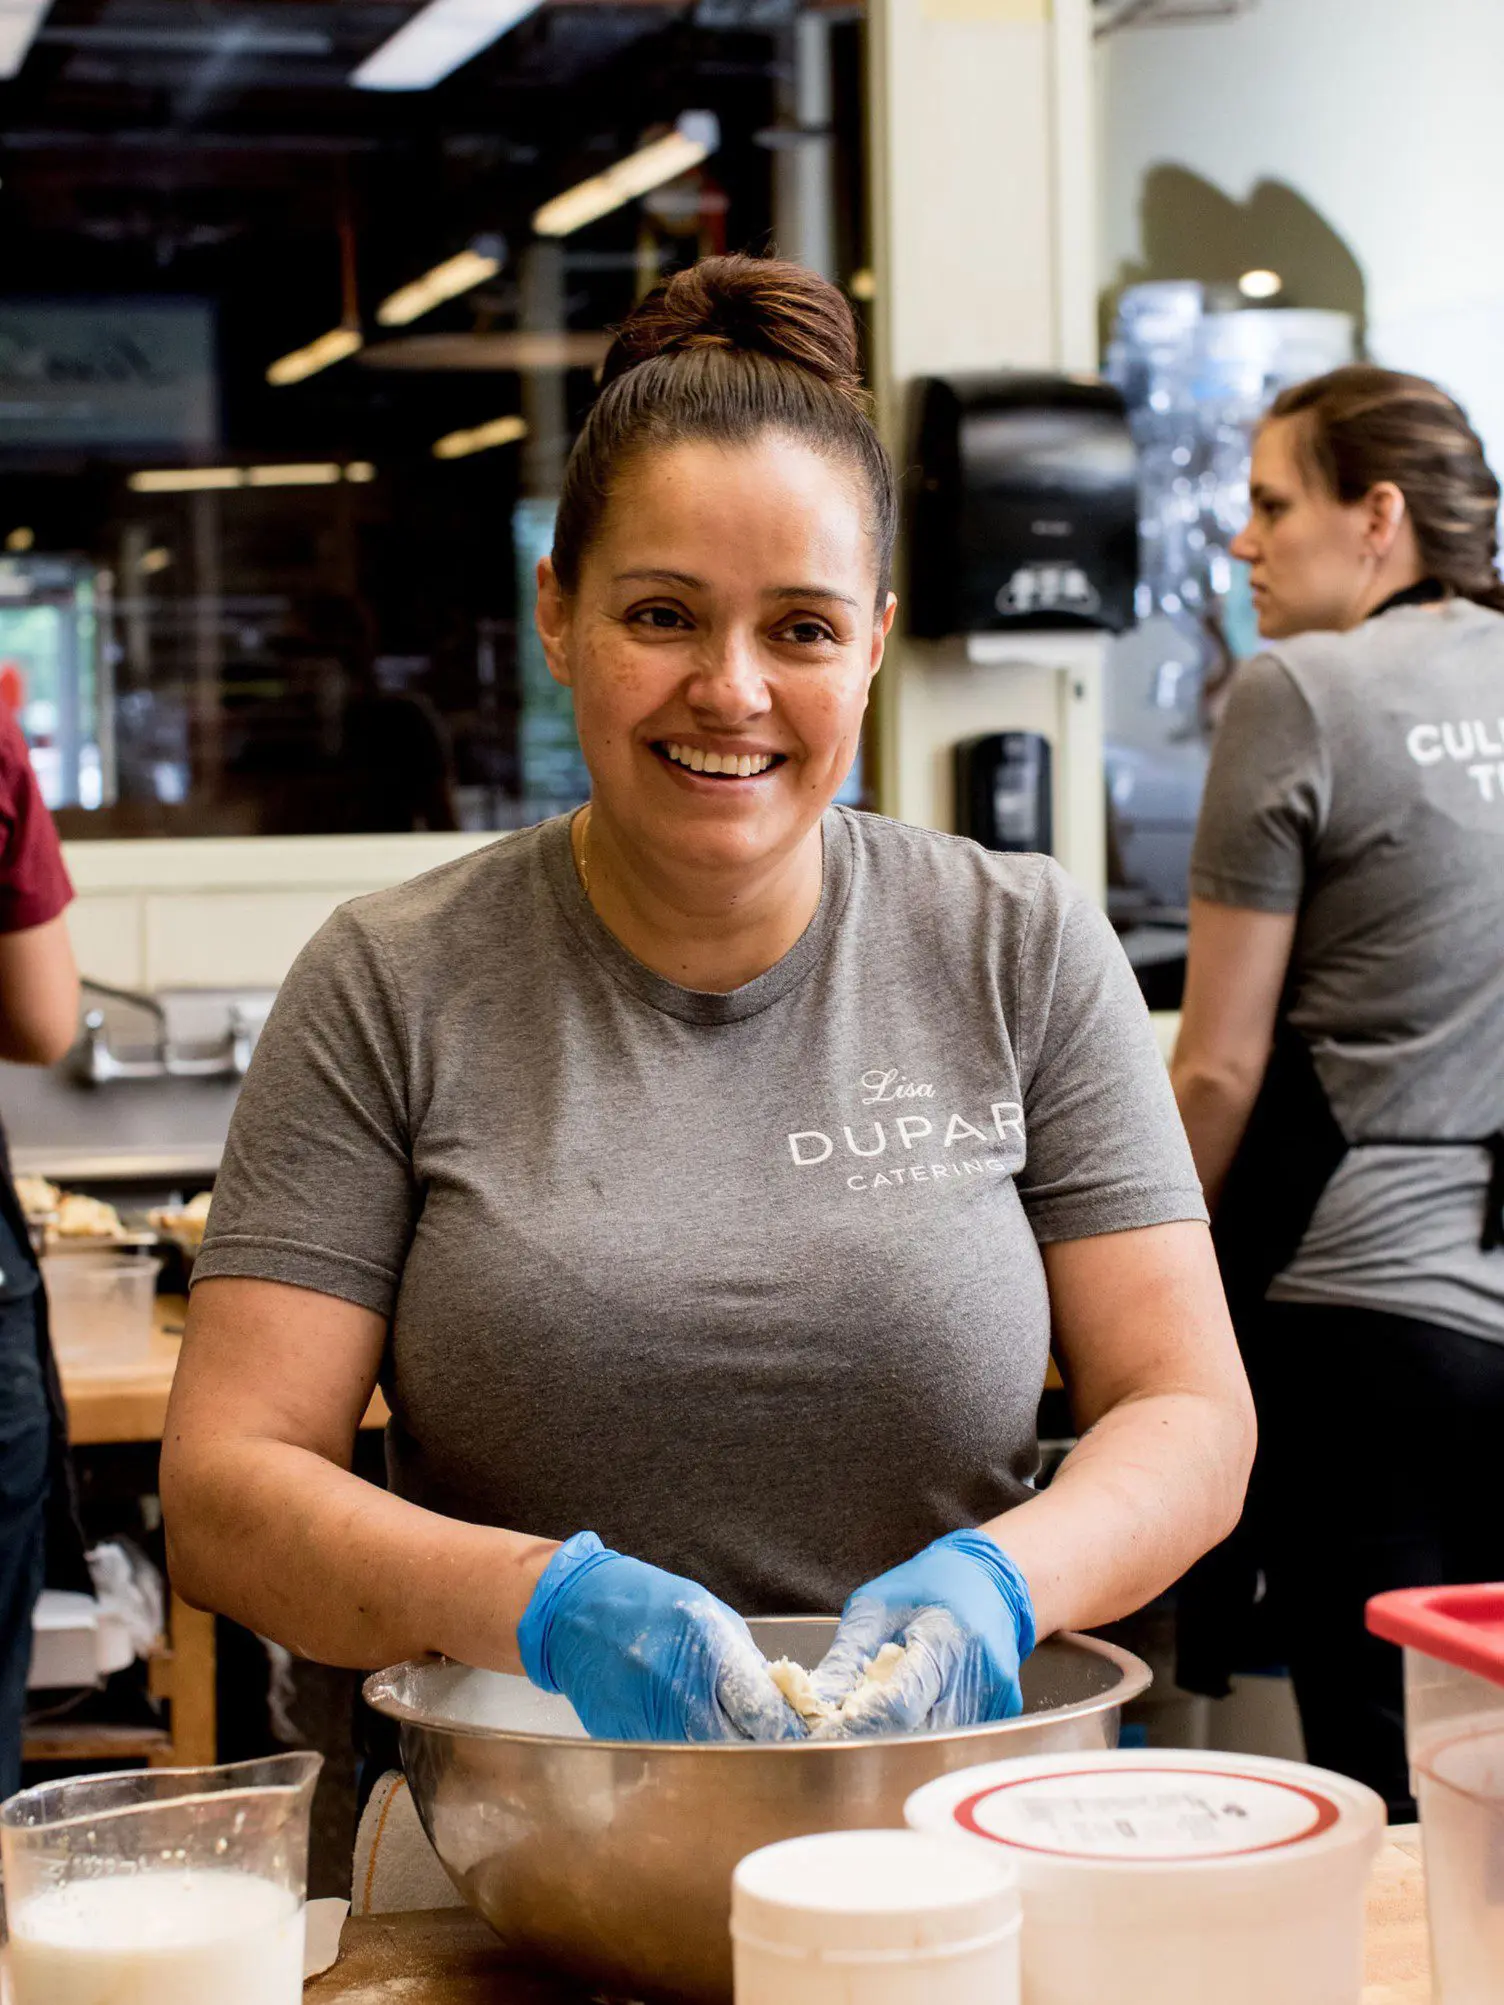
x=983 y=230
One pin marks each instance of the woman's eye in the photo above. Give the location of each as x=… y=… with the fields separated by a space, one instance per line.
x=661 y=619
x=808 y=633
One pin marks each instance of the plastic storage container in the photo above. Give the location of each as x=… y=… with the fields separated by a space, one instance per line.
x=1174 y=1878
x=884 y=1917
x=100 y=1307
x=1453 y=1638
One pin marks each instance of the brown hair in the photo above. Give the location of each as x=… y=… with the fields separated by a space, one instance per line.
x=726 y=351
x=1365 y=425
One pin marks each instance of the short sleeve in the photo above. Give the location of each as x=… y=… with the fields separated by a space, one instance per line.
x=34 y=885
x=1267 y=794
x=316 y=1187
x=1106 y=1148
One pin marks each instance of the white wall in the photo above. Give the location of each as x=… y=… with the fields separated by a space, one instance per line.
x=980 y=123
x=231 y=913
x=1386 y=115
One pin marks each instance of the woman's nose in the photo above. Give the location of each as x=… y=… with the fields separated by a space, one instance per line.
x=728 y=682
x=1243 y=546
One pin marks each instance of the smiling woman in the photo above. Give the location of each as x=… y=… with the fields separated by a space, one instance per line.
x=574 y=1144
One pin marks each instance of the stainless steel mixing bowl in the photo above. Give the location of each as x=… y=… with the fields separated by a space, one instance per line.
x=612 y=1860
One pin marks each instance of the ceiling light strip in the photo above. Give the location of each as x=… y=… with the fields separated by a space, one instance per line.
x=321 y=354
x=480 y=438
x=695 y=137
x=212 y=479
x=19 y=21
x=439 y=39
x=461 y=273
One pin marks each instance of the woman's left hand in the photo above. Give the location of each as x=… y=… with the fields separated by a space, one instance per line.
x=962 y=1612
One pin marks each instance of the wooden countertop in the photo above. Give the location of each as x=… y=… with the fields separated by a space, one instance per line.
x=130 y=1403
x=448 y=1957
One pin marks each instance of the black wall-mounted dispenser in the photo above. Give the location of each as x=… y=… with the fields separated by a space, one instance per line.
x=1003 y=791
x=1023 y=506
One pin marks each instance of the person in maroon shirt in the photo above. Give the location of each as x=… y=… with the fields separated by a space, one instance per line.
x=38 y=1021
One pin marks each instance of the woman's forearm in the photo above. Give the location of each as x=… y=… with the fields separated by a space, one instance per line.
x=1215 y=1106
x=305 y=1553
x=1156 y=1483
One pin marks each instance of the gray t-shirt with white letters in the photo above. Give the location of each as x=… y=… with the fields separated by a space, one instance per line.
x=1358 y=779
x=750 y=1284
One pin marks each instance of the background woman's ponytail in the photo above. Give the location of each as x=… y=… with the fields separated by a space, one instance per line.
x=1365 y=425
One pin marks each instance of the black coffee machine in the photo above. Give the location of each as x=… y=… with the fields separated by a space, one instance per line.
x=1023 y=506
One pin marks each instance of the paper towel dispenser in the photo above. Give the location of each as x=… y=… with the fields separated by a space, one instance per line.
x=1003 y=790
x=1023 y=506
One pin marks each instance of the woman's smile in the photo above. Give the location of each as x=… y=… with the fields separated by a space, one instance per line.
x=691 y=759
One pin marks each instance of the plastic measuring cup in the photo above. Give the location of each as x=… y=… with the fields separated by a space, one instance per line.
x=176 y=1885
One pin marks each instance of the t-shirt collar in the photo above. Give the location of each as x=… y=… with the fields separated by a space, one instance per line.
x=702 y=1005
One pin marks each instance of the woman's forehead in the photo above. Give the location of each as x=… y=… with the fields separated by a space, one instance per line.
x=772 y=502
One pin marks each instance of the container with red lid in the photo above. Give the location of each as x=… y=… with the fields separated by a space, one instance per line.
x=1171 y=1877
x=1453 y=1639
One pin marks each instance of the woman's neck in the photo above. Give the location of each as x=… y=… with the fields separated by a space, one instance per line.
x=713 y=931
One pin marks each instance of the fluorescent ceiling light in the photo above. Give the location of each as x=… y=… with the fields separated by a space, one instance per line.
x=186 y=479
x=1260 y=284
x=329 y=348
x=438 y=39
x=500 y=432
x=694 y=138
x=19 y=21
x=323 y=473
x=446 y=281
x=204 y=479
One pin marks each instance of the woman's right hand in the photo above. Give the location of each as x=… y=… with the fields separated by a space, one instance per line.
x=646 y=1655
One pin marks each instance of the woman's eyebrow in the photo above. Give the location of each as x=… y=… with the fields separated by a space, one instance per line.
x=659 y=578
x=813 y=592
x=693 y=584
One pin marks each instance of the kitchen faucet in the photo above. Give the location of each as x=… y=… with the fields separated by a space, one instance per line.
x=95 y=1063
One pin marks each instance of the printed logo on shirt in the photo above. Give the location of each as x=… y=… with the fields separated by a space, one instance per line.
x=891 y=1150
x=1467 y=742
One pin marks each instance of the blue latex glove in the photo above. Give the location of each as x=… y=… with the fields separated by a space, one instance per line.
x=644 y=1655
x=961 y=1609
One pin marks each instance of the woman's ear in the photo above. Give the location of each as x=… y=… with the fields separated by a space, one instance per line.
x=882 y=626
x=551 y=616
x=1386 y=511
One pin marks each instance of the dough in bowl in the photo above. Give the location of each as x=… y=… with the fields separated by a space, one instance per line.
x=797 y=1687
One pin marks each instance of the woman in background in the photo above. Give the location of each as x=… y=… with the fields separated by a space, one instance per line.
x=38 y=1019
x=1339 y=1061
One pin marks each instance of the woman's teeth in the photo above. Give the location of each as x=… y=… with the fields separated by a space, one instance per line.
x=729 y=763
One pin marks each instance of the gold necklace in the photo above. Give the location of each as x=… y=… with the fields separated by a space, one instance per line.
x=581 y=864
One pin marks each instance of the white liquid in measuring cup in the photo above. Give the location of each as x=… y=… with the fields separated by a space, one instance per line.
x=174 y=1938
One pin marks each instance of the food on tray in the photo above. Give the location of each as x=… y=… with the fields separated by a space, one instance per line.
x=186 y=1226
x=80 y=1217
x=39 y=1199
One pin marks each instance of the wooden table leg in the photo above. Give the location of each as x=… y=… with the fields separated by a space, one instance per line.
x=183 y=1674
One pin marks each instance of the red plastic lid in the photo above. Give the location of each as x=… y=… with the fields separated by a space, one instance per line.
x=1460 y=1625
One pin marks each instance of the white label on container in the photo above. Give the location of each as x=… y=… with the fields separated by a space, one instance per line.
x=1162 y=1814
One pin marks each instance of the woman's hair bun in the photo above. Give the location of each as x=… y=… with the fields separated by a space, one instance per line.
x=758 y=306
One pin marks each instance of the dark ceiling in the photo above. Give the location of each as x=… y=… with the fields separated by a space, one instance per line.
x=211 y=148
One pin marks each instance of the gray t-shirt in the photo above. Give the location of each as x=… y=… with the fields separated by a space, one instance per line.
x=748 y=1283
x=1358 y=779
